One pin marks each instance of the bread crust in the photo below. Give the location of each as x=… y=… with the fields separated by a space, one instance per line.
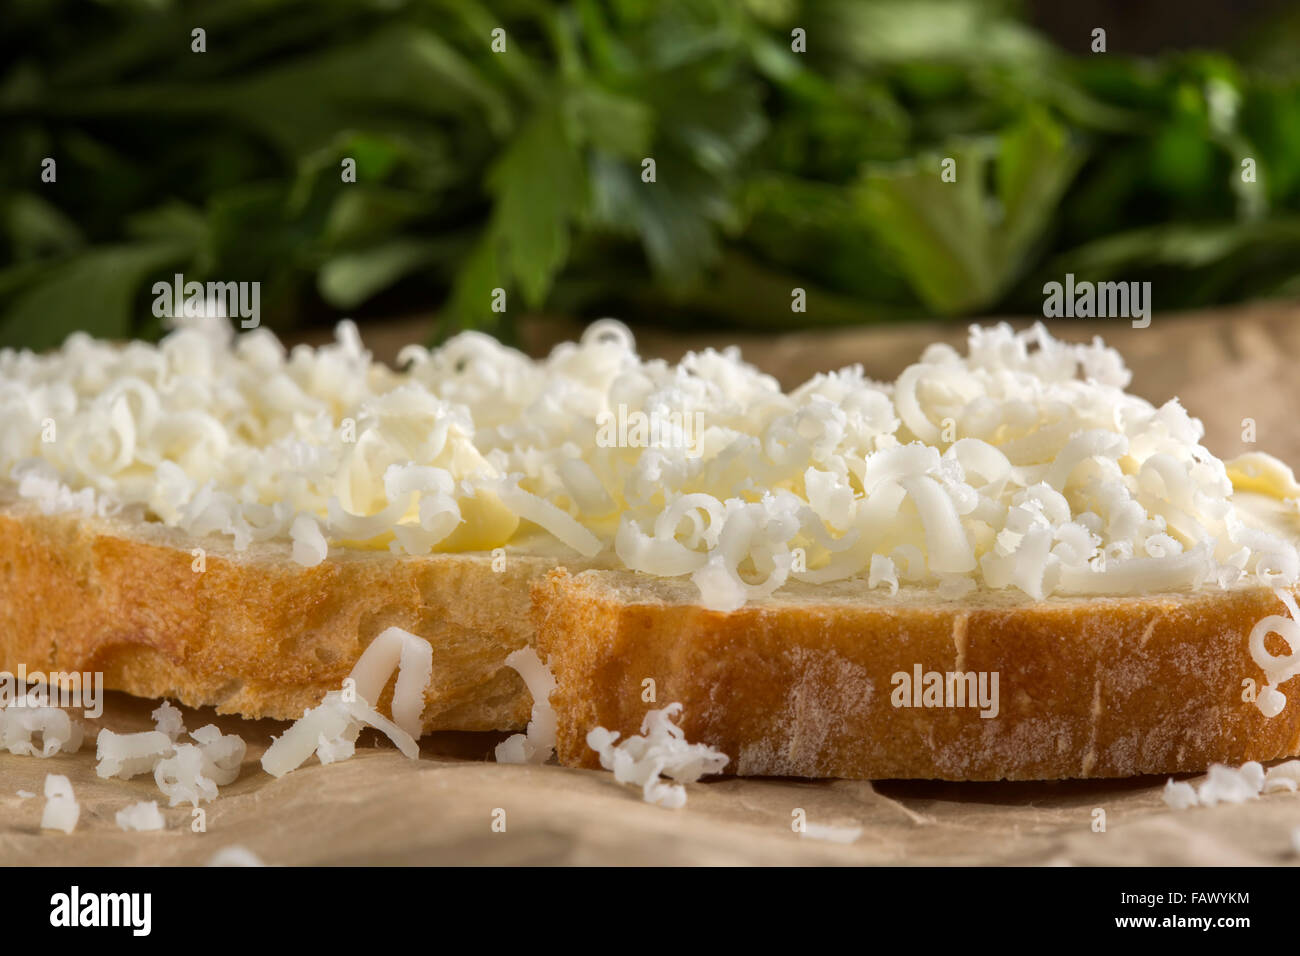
x=801 y=684
x=255 y=633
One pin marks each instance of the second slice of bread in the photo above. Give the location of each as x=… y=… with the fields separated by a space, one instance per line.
x=803 y=684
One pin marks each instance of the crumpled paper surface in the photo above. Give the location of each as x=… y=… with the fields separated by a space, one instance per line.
x=380 y=808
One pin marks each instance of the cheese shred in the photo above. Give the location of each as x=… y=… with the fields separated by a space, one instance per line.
x=661 y=750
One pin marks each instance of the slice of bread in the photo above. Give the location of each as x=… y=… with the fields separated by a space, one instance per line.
x=254 y=633
x=800 y=684
x=803 y=684
x=705 y=469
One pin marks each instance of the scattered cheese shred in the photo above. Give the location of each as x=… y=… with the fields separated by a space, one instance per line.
x=181 y=777
x=1277 y=669
x=58 y=732
x=61 y=810
x=537 y=745
x=167 y=720
x=1283 y=777
x=660 y=750
x=330 y=729
x=1224 y=784
x=412 y=658
x=222 y=753
x=128 y=755
x=142 y=816
x=184 y=772
x=191 y=773
x=1179 y=795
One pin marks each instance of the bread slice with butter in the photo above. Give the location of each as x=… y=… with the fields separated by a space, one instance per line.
x=821 y=681
x=800 y=684
x=254 y=633
x=813 y=574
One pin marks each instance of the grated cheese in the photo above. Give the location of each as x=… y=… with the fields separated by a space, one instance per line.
x=330 y=730
x=660 y=750
x=141 y=816
x=1022 y=464
x=222 y=753
x=181 y=777
x=128 y=755
x=61 y=810
x=1224 y=784
x=191 y=773
x=412 y=658
x=58 y=732
x=185 y=773
x=1277 y=669
x=332 y=726
x=1179 y=795
x=1283 y=777
x=537 y=744
x=168 y=720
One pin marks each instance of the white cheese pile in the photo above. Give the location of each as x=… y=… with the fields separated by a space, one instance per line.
x=660 y=750
x=1224 y=784
x=1022 y=464
x=184 y=772
x=193 y=772
x=183 y=777
x=61 y=810
x=128 y=755
x=537 y=745
x=58 y=732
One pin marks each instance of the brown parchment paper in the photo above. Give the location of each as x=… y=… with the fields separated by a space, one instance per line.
x=380 y=808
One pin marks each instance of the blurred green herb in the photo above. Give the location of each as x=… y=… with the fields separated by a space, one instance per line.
x=523 y=170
